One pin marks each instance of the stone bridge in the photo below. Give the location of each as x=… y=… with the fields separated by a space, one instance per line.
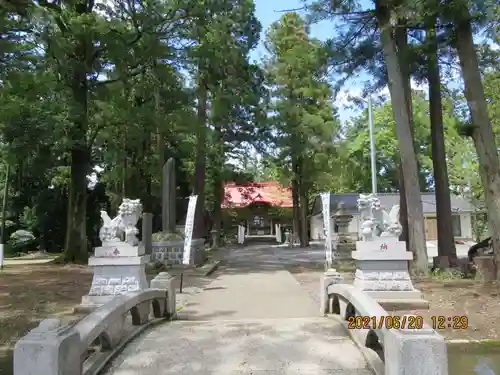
x=254 y=317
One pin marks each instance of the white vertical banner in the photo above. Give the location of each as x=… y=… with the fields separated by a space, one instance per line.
x=1 y=255
x=325 y=199
x=188 y=229
x=241 y=234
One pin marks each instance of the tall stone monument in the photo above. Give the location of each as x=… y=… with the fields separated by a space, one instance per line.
x=168 y=198
x=168 y=245
x=119 y=263
x=382 y=260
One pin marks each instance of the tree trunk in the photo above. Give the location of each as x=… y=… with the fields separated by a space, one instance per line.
x=218 y=185
x=482 y=132
x=199 y=229
x=145 y=173
x=124 y=167
x=303 y=206
x=403 y=129
x=295 y=196
x=401 y=38
x=304 y=238
x=75 y=244
x=160 y=143
x=5 y=197
x=447 y=252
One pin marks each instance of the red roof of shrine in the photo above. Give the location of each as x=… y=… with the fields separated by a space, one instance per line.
x=269 y=192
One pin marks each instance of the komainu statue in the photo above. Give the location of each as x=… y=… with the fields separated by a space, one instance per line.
x=375 y=221
x=123 y=225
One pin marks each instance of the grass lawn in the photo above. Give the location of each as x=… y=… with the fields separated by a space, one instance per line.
x=31 y=293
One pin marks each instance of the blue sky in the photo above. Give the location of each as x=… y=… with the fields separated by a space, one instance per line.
x=268 y=11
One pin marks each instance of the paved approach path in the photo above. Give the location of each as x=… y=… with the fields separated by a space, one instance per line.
x=253 y=318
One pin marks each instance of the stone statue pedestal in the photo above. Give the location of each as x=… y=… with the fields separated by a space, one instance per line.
x=118 y=268
x=382 y=272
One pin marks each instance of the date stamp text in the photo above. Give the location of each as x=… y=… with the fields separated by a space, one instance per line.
x=388 y=322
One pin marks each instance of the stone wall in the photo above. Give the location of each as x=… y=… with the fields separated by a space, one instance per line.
x=172 y=252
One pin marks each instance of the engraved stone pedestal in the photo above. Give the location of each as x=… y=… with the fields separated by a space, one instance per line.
x=118 y=268
x=382 y=272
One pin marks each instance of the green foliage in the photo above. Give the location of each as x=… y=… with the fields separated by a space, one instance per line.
x=492 y=92
x=303 y=120
x=116 y=86
x=356 y=165
x=448 y=274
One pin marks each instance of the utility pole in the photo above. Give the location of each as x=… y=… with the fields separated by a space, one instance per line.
x=372 y=146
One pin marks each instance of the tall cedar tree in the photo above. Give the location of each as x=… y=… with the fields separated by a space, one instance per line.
x=303 y=119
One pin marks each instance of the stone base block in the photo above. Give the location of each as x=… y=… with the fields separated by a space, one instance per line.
x=382 y=273
x=486 y=269
x=90 y=304
x=372 y=276
x=382 y=248
x=119 y=261
x=403 y=304
x=395 y=294
x=112 y=277
x=400 y=300
x=172 y=252
x=118 y=249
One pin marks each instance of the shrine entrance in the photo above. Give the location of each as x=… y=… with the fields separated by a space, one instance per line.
x=258 y=211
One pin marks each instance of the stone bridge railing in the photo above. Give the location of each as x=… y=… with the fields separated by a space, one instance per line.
x=415 y=349
x=84 y=348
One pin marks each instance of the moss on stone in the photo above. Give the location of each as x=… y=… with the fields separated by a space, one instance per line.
x=169 y=236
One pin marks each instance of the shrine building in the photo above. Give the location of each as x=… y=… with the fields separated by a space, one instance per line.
x=263 y=208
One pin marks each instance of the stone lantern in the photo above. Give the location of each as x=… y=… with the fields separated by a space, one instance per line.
x=344 y=245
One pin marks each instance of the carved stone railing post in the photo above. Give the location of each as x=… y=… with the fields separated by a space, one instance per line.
x=413 y=348
x=54 y=348
x=415 y=351
x=330 y=277
x=52 y=344
x=165 y=281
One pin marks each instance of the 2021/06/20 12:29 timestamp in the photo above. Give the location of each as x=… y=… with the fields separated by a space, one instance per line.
x=453 y=322
x=387 y=322
x=439 y=322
